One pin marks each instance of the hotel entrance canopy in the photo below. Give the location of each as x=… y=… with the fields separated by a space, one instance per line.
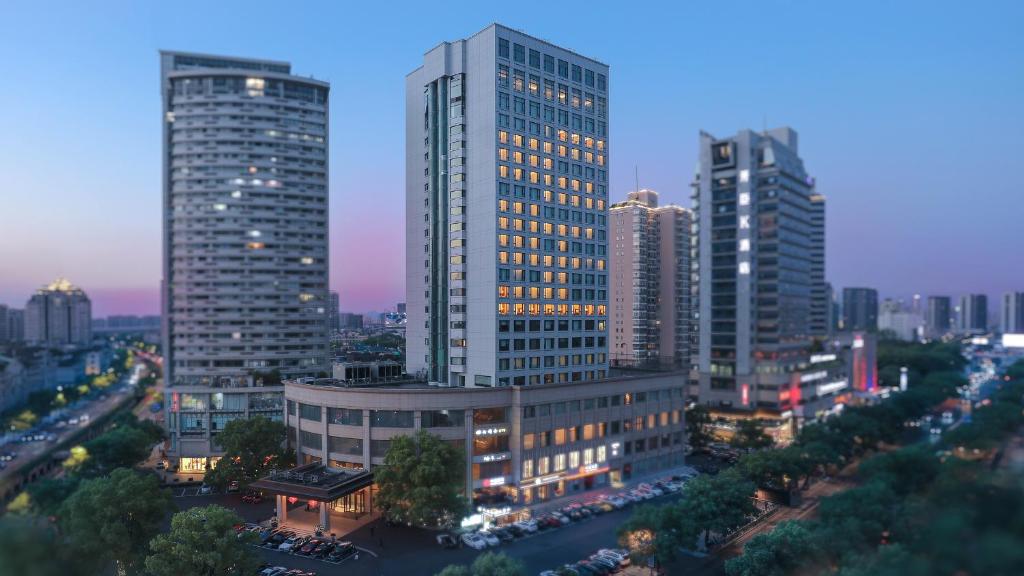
x=315 y=482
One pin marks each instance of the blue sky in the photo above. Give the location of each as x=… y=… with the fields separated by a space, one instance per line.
x=909 y=115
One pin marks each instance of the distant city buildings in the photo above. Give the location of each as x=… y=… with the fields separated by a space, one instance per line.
x=400 y=308
x=126 y=323
x=649 y=282
x=245 y=245
x=333 y=312
x=59 y=314
x=350 y=321
x=1012 y=313
x=12 y=324
x=940 y=315
x=860 y=309
x=973 y=314
x=523 y=125
x=904 y=323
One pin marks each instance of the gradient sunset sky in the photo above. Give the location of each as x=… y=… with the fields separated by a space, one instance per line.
x=909 y=115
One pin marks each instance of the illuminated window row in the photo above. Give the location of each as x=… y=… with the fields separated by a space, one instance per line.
x=562 y=198
x=535 y=160
x=521 y=309
x=519 y=140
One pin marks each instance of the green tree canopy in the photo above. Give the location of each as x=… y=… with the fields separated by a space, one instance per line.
x=203 y=542
x=422 y=481
x=789 y=546
x=252 y=447
x=112 y=519
x=698 y=426
x=31 y=546
x=750 y=435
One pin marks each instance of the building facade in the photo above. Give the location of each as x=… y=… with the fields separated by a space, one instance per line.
x=59 y=314
x=906 y=324
x=1012 y=313
x=973 y=315
x=522 y=444
x=860 y=309
x=506 y=191
x=754 y=256
x=649 y=282
x=820 y=290
x=940 y=314
x=245 y=241
x=12 y=324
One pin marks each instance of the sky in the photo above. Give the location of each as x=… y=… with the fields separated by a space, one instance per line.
x=909 y=116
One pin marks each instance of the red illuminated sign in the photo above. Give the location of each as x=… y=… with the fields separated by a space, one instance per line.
x=746 y=394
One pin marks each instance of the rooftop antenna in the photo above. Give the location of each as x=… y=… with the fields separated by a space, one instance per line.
x=636 y=177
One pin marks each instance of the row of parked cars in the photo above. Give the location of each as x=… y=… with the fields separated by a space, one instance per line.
x=604 y=561
x=268 y=570
x=568 y=514
x=287 y=541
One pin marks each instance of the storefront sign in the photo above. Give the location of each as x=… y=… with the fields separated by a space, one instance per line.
x=816 y=358
x=496 y=481
x=495 y=457
x=813 y=376
x=541 y=480
x=492 y=431
x=831 y=387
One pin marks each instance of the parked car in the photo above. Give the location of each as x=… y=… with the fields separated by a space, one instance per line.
x=474 y=541
x=206 y=489
x=489 y=538
x=323 y=549
x=273 y=571
x=233 y=487
x=447 y=541
x=289 y=544
x=308 y=548
x=622 y=555
x=343 y=550
x=528 y=526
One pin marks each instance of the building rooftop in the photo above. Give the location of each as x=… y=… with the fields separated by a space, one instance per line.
x=316 y=481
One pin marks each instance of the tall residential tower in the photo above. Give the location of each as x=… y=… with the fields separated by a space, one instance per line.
x=649 y=281
x=59 y=314
x=245 y=242
x=506 y=191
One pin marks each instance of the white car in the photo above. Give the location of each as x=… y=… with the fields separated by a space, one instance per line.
x=288 y=544
x=529 y=526
x=273 y=571
x=622 y=556
x=491 y=539
x=474 y=541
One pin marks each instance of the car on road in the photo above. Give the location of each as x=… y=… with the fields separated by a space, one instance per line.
x=447 y=541
x=233 y=487
x=253 y=498
x=474 y=541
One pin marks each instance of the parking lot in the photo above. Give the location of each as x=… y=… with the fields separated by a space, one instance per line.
x=403 y=550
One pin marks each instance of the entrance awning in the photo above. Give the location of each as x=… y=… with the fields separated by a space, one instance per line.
x=315 y=482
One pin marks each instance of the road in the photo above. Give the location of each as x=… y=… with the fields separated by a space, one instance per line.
x=95 y=409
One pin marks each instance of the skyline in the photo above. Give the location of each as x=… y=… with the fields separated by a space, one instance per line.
x=875 y=121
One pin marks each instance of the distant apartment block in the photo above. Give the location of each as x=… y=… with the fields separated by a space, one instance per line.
x=1012 y=313
x=973 y=315
x=860 y=309
x=940 y=314
x=649 y=282
x=59 y=314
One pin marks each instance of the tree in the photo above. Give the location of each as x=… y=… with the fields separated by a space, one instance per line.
x=698 y=426
x=252 y=447
x=121 y=447
x=658 y=531
x=49 y=493
x=202 y=541
x=718 y=504
x=487 y=564
x=905 y=471
x=789 y=546
x=750 y=435
x=114 y=518
x=30 y=546
x=422 y=481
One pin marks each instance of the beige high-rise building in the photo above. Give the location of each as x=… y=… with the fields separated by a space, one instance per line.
x=59 y=314
x=650 y=286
